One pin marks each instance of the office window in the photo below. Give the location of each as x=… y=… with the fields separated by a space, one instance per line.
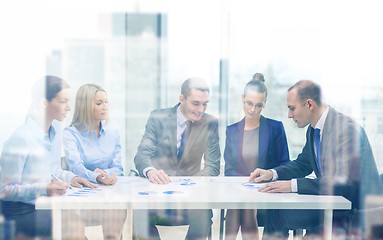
x=142 y=51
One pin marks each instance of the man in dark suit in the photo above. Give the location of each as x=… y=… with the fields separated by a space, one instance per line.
x=339 y=153
x=175 y=141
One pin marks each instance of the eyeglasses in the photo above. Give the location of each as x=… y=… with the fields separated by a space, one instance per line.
x=251 y=105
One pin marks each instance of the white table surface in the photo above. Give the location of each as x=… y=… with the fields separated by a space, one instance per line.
x=206 y=193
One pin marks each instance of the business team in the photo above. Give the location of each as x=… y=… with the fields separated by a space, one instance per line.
x=183 y=141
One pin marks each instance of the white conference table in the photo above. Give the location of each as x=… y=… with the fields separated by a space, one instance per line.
x=203 y=193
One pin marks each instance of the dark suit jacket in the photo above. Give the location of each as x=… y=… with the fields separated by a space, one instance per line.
x=158 y=147
x=348 y=164
x=273 y=150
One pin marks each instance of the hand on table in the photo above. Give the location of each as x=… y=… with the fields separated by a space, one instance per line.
x=261 y=175
x=158 y=176
x=104 y=178
x=82 y=182
x=277 y=187
x=56 y=188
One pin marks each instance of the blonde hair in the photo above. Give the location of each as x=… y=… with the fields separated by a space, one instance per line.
x=83 y=116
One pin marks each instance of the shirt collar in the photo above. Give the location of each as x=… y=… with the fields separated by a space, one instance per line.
x=102 y=131
x=322 y=120
x=86 y=132
x=181 y=120
x=52 y=131
x=38 y=131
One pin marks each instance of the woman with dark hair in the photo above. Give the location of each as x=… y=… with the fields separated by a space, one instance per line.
x=254 y=142
x=31 y=164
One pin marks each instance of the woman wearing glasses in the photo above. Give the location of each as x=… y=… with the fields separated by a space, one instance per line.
x=254 y=142
x=93 y=151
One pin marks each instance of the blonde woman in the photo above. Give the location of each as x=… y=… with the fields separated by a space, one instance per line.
x=93 y=151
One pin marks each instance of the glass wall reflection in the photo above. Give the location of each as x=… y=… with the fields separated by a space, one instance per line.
x=142 y=51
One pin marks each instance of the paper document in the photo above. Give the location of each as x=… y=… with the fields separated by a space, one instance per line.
x=81 y=192
x=228 y=180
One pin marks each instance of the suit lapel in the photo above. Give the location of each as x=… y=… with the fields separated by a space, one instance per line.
x=264 y=135
x=326 y=141
x=172 y=133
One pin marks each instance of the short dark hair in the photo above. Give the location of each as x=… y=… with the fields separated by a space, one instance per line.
x=307 y=89
x=256 y=84
x=48 y=87
x=194 y=83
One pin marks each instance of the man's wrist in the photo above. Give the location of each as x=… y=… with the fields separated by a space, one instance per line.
x=146 y=170
x=275 y=175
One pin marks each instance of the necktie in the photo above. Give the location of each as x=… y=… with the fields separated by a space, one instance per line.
x=184 y=139
x=317 y=146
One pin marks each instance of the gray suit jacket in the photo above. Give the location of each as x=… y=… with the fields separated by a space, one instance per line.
x=158 y=147
x=347 y=162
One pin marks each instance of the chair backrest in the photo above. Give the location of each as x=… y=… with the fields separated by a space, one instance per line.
x=64 y=164
x=133 y=172
x=7 y=227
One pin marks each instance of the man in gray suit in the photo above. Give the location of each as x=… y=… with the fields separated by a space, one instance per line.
x=175 y=141
x=337 y=150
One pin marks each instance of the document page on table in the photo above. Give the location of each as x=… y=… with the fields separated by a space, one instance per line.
x=177 y=186
x=239 y=182
x=102 y=190
x=82 y=192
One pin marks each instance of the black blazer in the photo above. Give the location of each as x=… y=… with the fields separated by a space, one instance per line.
x=273 y=149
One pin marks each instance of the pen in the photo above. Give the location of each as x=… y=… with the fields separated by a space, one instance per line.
x=58 y=179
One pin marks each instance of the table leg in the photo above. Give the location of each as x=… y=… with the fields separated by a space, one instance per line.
x=328 y=224
x=56 y=224
x=127 y=233
x=221 y=222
